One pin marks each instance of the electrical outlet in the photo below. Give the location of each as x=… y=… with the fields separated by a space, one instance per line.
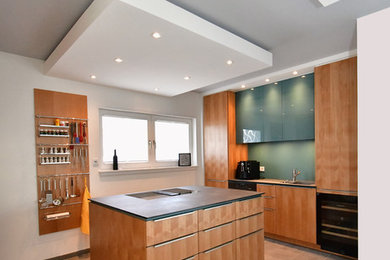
x=95 y=163
x=262 y=168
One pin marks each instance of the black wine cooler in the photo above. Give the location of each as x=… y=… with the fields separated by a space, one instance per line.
x=337 y=223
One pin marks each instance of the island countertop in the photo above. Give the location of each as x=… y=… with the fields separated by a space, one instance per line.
x=201 y=197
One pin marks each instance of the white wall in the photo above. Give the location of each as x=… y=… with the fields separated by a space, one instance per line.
x=373 y=134
x=19 y=237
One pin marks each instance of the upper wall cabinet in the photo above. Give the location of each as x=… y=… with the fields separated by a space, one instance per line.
x=276 y=112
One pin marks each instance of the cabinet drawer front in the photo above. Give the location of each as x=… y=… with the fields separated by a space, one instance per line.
x=180 y=248
x=170 y=228
x=251 y=247
x=215 y=216
x=269 y=190
x=249 y=207
x=216 y=236
x=223 y=252
x=249 y=225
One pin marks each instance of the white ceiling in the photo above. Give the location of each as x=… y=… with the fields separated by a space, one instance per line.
x=189 y=46
x=295 y=32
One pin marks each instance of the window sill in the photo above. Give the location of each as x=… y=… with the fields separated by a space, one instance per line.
x=147 y=170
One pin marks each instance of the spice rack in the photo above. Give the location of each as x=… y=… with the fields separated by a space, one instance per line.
x=61 y=126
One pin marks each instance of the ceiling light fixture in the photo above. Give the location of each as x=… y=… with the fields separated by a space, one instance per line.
x=156 y=35
x=243 y=86
x=266 y=80
x=229 y=62
x=187 y=77
x=118 y=60
x=295 y=73
x=156 y=89
x=92 y=77
x=325 y=3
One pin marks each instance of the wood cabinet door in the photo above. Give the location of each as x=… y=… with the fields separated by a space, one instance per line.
x=296 y=213
x=336 y=126
x=215 y=123
x=251 y=247
x=269 y=220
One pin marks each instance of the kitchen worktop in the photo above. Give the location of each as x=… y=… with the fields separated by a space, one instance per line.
x=152 y=208
x=300 y=183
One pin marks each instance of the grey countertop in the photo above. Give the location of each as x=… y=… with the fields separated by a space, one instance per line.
x=151 y=209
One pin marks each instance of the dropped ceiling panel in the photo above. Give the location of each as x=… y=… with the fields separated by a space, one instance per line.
x=189 y=46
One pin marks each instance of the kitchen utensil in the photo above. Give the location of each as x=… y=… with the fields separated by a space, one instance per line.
x=42 y=196
x=56 y=201
x=77 y=139
x=72 y=187
x=49 y=193
x=81 y=132
x=84 y=132
x=66 y=188
x=82 y=157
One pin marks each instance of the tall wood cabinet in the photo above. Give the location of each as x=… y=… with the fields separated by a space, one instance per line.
x=336 y=127
x=221 y=153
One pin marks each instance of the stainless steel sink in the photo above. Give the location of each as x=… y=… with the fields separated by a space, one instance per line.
x=150 y=195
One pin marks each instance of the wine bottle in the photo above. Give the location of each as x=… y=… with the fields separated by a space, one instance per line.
x=115 y=161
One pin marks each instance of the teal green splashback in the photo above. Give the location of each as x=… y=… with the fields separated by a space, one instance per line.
x=279 y=158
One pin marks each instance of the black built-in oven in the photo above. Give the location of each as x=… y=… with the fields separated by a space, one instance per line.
x=337 y=223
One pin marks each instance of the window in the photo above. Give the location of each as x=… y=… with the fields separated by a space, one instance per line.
x=143 y=140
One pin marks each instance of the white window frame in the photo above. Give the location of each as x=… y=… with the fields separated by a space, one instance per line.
x=151 y=118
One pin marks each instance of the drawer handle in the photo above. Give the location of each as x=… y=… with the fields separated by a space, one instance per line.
x=339 y=209
x=173 y=241
x=217 y=207
x=216 y=180
x=338 y=235
x=268 y=209
x=247 y=235
x=268 y=197
x=210 y=229
x=56 y=216
x=218 y=247
x=176 y=216
x=252 y=216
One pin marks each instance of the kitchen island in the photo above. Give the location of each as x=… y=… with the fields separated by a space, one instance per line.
x=191 y=222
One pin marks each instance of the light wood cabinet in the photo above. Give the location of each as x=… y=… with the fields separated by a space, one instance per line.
x=336 y=127
x=296 y=213
x=221 y=153
x=179 y=248
x=215 y=216
x=195 y=235
x=291 y=212
x=251 y=247
x=170 y=228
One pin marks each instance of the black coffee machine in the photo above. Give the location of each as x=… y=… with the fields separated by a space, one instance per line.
x=248 y=170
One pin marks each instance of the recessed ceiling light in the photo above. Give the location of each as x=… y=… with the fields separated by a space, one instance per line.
x=243 y=86
x=229 y=62
x=156 y=35
x=266 y=80
x=295 y=73
x=118 y=60
x=187 y=77
x=92 y=77
x=276 y=83
x=303 y=76
x=156 y=89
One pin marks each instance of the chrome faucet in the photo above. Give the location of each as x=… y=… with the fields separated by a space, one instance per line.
x=295 y=173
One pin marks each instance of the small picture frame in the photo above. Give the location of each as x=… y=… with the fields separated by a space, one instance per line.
x=184 y=159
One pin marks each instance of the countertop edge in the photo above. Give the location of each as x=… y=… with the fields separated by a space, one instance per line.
x=176 y=213
x=270 y=182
